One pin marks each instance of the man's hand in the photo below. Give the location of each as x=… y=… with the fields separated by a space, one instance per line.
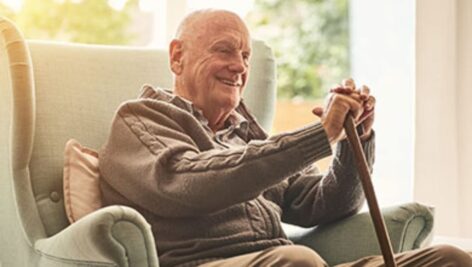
x=343 y=99
x=366 y=120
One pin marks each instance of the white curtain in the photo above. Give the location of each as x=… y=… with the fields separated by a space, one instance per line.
x=417 y=57
x=443 y=127
x=382 y=56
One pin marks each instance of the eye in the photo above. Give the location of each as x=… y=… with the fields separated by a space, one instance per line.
x=224 y=50
x=246 y=57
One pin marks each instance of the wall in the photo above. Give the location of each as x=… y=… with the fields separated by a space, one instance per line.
x=464 y=110
x=443 y=168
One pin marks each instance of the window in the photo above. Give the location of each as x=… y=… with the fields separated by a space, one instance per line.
x=99 y=21
x=310 y=40
x=383 y=54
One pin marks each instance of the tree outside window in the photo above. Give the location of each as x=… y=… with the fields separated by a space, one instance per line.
x=310 y=39
x=82 y=21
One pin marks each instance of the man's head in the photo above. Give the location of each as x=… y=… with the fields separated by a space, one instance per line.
x=210 y=59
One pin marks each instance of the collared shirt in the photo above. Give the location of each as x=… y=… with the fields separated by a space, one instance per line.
x=236 y=127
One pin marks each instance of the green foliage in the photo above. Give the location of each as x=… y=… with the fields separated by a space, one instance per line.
x=310 y=39
x=83 y=21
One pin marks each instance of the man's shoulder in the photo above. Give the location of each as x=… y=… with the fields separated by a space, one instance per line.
x=155 y=93
x=150 y=100
x=146 y=116
x=151 y=108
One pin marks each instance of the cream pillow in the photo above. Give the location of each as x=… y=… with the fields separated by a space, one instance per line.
x=81 y=181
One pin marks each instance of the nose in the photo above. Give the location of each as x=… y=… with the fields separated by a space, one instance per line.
x=238 y=65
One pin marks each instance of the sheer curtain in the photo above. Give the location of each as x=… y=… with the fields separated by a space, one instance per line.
x=443 y=148
x=382 y=56
x=417 y=57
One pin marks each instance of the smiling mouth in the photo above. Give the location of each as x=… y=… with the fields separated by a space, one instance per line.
x=230 y=83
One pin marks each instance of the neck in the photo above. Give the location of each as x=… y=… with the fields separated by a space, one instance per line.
x=216 y=116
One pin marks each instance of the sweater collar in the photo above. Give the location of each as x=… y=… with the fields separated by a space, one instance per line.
x=235 y=120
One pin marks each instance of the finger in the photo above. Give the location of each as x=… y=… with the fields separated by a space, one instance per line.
x=341 y=90
x=318 y=111
x=365 y=92
x=336 y=86
x=327 y=101
x=365 y=115
x=370 y=103
x=359 y=93
x=336 y=89
x=349 y=83
x=351 y=105
x=357 y=96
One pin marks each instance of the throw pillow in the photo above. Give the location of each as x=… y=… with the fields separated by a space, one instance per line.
x=81 y=181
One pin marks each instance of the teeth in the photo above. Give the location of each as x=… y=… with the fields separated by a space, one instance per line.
x=230 y=83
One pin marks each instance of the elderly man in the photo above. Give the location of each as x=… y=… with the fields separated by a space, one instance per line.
x=207 y=178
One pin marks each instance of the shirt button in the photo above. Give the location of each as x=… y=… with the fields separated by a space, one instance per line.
x=54 y=196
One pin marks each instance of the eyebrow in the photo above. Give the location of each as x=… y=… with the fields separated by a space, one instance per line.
x=224 y=42
x=232 y=43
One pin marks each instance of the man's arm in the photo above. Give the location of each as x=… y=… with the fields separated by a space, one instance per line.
x=310 y=198
x=164 y=161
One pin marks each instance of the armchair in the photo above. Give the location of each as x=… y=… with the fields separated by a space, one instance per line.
x=50 y=92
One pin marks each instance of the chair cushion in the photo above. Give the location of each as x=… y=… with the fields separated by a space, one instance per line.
x=81 y=181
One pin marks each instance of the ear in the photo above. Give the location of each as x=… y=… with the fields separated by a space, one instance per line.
x=175 y=56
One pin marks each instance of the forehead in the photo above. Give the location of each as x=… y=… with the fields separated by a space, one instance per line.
x=223 y=28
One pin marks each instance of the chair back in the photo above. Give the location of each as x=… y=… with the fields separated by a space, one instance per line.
x=51 y=92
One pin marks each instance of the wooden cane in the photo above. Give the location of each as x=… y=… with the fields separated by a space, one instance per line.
x=377 y=219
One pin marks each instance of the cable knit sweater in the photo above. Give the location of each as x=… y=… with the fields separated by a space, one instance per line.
x=211 y=196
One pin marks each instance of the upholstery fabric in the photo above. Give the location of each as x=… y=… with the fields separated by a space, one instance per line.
x=17 y=207
x=81 y=181
x=112 y=236
x=409 y=226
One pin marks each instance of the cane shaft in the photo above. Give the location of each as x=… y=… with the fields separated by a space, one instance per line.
x=364 y=173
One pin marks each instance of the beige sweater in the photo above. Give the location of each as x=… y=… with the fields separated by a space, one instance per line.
x=206 y=200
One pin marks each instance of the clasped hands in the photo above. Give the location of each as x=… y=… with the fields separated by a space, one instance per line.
x=344 y=99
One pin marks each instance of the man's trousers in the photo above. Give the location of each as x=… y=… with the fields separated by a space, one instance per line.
x=300 y=256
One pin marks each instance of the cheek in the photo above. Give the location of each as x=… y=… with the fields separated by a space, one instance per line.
x=205 y=62
x=245 y=79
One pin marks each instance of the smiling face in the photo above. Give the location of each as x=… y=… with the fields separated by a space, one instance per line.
x=211 y=61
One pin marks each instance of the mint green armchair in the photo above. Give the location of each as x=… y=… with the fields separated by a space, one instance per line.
x=51 y=92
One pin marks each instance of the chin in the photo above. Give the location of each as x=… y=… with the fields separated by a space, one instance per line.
x=231 y=103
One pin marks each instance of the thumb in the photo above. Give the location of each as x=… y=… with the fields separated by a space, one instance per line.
x=318 y=111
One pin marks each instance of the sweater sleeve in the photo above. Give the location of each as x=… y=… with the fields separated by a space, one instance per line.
x=163 y=161
x=309 y=198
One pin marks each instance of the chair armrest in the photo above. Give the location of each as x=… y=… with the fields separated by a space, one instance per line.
x=408 y=225
x=112 y=236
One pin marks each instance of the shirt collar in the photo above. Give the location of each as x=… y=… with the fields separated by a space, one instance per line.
x=239 y=122
x=235 y=120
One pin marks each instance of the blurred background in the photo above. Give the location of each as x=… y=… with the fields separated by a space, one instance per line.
x=413 y=54
x=315 y=32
